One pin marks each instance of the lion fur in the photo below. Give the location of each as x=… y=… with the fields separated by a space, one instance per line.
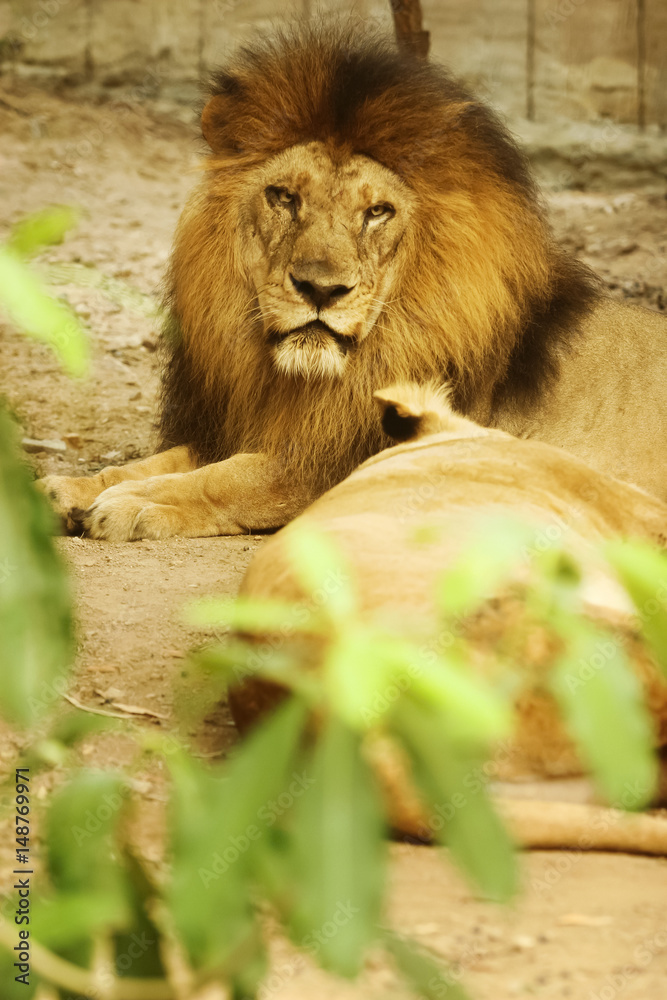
x=483 y=299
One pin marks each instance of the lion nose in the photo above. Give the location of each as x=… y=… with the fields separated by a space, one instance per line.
x=319 y=293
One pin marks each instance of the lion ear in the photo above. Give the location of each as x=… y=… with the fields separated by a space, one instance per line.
x=215 y=122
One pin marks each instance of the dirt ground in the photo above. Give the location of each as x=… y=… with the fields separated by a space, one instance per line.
x=586 y=926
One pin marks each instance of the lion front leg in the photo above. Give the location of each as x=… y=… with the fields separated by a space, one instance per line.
x=71 y=496
x=244 y=493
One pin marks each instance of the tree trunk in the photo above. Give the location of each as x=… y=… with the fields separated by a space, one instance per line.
x=408 y=26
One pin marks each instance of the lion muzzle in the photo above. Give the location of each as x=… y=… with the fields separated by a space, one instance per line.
x=311 y=351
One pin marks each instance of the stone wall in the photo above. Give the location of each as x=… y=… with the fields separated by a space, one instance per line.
x=545 y=60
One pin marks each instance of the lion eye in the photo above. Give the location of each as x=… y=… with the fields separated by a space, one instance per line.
x=377 y=211
x=281 y=196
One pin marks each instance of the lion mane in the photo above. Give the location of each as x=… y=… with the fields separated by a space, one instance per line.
x=482 y=300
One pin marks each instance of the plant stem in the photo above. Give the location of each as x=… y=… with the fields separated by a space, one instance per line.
x=72 y=978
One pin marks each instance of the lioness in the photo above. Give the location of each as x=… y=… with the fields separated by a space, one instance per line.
x=364 y=220
x=447 y=474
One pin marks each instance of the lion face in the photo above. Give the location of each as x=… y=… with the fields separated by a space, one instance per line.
x=322 y=246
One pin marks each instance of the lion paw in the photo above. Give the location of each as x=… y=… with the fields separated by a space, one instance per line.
x=124 y=513
x=70 y=497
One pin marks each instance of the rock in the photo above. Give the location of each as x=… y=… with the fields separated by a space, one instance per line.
x=523 y=942
x=32 y=446
x=584 y=920
x=109 y=694
x=429 y=928
x=73 y=440
x=598 y=155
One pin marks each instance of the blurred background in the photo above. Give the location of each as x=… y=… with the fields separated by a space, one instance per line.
x=545 y=59
x=581 y=79
x=542 y=59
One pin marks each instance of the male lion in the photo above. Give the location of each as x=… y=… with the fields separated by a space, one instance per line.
x=364 y=220
x=448 y=475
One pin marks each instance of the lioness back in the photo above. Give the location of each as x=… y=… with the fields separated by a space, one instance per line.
x=451 y=482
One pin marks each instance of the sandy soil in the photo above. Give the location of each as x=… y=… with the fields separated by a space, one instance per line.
x=586 y=926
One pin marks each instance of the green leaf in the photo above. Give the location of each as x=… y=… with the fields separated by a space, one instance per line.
x=236 y=662
x=44 y=228
x=137 y=949
x=75 y=726
x=81 y=841
x=359 y=669
x=251 y=615
x=474 y=713
x=36 y=629
x=426 y=534
x=49 y=753
x=339 y=854
x=643 y=572
x=203 y=893
x=602 y=702
x=117 y=291
x=69 y=919
x=463 y=817
x=365 y=671
x=559 y=568
x=218 y=822
x=89 y=885
x=322 y=572
x=249 y=965
x=34 y=312
x=264 y=767
x=422 y=972
x=498 y=546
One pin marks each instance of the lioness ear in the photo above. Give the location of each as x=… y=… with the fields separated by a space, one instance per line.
x=215 y=122
x=398 y=422
x=412 y=411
